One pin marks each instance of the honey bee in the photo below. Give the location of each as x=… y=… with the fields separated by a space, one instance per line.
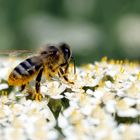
x=52 y=59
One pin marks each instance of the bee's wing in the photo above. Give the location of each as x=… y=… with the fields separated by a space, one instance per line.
x=15 y=52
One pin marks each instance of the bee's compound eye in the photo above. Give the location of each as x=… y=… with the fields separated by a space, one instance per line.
x=66 y=50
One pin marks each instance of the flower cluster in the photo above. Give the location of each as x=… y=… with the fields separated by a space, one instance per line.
x=102 y=104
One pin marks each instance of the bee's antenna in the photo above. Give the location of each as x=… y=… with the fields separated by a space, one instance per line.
x=74 y=64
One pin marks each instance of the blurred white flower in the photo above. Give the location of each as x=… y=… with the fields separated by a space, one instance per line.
x=128 y=32
x=129 y=132
x=124 y=108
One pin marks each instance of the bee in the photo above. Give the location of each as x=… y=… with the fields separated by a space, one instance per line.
x=52 y=59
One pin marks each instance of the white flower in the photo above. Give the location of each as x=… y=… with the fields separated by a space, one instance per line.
x=124 y=108
x=92 y=103
x=98 y=94
x=63 y=122
x=53 y=89
x=129 y=132
x=110 y=106
x=3 y=86
x=131 y=112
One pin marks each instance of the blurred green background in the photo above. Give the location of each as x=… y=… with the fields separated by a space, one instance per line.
x=93 y=28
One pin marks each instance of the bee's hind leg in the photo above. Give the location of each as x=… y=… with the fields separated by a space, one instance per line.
x=38 y=96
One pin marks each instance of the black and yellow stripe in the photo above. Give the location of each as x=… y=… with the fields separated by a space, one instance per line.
x=24 y=71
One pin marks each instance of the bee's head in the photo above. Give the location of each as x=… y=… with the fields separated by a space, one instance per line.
x=66 y=51
x=67 y=54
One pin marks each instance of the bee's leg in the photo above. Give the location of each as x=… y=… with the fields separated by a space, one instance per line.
x=22 y=88
x=38 y=96
x=59 y=74
x=66 y=69
x=64 y=76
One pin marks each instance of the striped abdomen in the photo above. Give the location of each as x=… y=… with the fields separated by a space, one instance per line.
x=25 y=71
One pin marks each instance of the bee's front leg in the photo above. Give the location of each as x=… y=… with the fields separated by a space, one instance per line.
x=64 y=75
